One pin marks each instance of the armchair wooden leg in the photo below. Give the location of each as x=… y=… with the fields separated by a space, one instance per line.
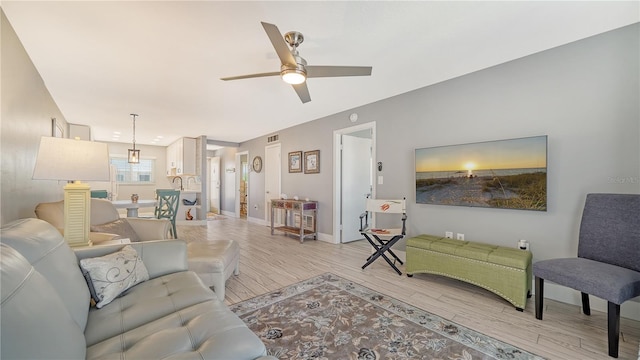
x=539 y=297
x=586 y=308
x=613 y=314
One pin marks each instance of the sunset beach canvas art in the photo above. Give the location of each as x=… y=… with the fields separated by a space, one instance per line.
x=510 y=174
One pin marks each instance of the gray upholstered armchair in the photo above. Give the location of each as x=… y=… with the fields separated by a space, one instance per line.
x=608 y=262
x=106 y=223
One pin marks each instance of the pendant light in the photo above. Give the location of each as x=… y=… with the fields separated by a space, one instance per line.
x=133 y=155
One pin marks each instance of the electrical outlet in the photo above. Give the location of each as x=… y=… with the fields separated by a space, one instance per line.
x=460 y=236
x=448 y=234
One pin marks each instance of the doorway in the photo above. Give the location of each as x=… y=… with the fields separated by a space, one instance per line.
x=242 y=184
x=354 y=156
x=213 y=185
x=272 y=177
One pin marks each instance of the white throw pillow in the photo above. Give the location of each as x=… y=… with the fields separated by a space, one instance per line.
x=110 y=275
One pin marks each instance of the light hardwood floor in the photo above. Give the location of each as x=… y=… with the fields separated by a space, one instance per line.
x=268 y=263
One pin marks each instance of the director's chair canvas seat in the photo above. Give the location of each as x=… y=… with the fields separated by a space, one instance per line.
x=382 y=239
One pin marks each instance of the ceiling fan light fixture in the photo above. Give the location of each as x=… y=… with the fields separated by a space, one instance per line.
x=293 y=76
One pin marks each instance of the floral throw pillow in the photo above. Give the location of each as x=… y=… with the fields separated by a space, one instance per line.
x=110 y=275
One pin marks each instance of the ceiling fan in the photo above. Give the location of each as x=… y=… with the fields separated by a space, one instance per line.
x=294 y=69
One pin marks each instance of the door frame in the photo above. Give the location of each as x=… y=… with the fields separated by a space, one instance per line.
x=337 y=172
x=209 y=187
x=267 y=172
x=238 y=177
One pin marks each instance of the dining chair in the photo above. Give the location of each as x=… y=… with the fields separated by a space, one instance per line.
x=167 y=207
x=607 y=264
x=99 y=194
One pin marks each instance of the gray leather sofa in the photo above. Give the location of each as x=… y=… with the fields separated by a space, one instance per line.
x=103 y=212
x=46 y=312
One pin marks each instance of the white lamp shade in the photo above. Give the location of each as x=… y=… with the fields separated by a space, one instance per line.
x=68 y=159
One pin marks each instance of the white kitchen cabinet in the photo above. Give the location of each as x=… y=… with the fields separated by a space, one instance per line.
x=181 y=157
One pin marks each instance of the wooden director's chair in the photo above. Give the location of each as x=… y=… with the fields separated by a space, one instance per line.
x=383 y=239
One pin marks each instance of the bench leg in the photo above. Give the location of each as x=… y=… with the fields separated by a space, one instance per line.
x=586 y=308
x=613 y=328
x=539 y=297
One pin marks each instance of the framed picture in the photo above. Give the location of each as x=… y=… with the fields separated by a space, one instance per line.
x=57 y=129
x=507 y=174
x=312 y=162
x=295 y=161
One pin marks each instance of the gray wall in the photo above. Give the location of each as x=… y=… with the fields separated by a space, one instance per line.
x=583 y=95
x=27 y=109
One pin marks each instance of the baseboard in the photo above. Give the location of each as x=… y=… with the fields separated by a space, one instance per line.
x=229 y=213
x=257 y=221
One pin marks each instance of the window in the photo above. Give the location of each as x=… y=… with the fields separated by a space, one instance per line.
x=142 y=173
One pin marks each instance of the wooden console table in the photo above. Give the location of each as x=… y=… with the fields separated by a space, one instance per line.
x=301 y=208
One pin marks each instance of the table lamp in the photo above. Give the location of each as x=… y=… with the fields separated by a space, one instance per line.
x=74 y=161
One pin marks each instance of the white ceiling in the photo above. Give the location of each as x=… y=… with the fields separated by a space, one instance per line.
x=103 y=60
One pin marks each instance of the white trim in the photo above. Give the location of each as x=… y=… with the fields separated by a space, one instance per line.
x=337 y=171
x=238 y=176
x=264 y=190
x=228 y=213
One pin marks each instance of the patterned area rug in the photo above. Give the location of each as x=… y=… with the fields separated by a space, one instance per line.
x=328 y=317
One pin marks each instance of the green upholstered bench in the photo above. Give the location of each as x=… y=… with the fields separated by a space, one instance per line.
x=502 y=270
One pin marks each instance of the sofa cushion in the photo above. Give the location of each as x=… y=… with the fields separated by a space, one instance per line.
x=33 y=326
x=102 y=211
x=121 y=227
x=44 y=247
x=187 y=333
x=110 y=275
x=146 y=302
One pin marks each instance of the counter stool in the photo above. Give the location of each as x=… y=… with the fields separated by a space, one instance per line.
x=214 y=262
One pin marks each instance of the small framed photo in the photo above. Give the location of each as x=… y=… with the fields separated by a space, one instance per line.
x=295 y=161
x=312 y=162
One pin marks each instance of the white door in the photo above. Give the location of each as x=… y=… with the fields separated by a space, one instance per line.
x=214 y=184
x=272 y=176
x=356 y=183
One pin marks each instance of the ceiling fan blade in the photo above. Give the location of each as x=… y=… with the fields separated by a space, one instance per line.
x=250 y=76
x=281 y=47
x=336 y=71
x=303 y=92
